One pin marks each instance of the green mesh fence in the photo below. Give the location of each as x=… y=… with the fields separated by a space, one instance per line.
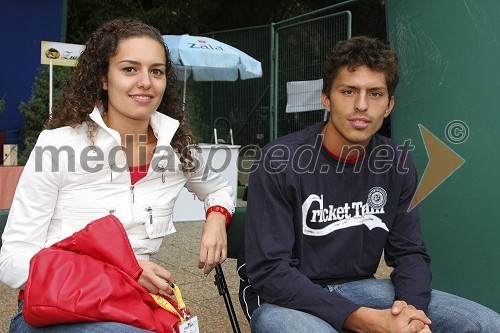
x=301 y=53
x=244 y=106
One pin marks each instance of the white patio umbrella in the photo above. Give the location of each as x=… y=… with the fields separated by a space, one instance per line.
x=209 y=60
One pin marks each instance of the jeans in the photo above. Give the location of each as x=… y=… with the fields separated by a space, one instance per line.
x=448 y=313
x=18 y=325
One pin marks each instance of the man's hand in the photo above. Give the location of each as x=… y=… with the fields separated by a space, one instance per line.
x=407 y=320
x=154 y=278
x=426 y=329
x=213 y=246
x=398 y=306
x=396 y=309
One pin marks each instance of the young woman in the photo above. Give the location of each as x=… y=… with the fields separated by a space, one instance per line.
x=118 y=143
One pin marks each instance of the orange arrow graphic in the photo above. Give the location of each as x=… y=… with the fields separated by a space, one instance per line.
x=443 y=162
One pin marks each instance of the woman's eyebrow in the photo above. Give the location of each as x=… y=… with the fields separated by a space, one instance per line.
x=134 y=62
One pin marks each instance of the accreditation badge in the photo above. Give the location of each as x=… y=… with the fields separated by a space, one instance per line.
x=190 y=326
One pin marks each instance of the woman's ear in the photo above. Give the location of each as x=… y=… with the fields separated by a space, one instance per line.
x=104 y=83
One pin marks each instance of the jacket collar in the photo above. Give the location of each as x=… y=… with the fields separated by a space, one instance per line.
x=164 y=127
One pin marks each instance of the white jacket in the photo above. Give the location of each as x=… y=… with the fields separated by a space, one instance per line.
x=68 y=183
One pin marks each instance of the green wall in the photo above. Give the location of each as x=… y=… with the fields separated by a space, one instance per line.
x=449 y=52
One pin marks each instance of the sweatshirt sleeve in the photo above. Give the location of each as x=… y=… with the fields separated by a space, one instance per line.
x=31 y=212
x=405 y=250
x=271 y=266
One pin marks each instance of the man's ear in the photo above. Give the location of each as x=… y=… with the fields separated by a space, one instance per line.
x=389 y=107
x=326 y=101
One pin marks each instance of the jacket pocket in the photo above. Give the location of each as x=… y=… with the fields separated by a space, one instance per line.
x=76 y=218
x=159 y=221
x=100 y=174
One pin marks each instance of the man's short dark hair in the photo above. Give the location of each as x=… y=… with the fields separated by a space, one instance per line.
x=359 y=51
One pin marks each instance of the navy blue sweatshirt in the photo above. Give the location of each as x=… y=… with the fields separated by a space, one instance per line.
x=314 y=220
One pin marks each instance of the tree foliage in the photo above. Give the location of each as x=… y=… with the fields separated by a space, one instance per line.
x=36 y=111
x=196 y=17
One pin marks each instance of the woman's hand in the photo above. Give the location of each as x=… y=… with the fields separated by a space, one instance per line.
x=213 y=246
x=155 y=278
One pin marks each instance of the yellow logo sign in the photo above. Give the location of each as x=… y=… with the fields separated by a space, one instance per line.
x=443 y=162
x=60 y=54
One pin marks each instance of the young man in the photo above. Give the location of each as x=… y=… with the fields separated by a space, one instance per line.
x=325 y=202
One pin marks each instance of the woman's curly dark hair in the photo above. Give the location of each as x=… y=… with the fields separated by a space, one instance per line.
x=84 y=90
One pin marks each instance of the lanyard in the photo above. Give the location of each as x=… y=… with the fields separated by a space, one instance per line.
x=162 y=302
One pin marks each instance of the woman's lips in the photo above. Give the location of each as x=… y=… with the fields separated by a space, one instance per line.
x=145 y=99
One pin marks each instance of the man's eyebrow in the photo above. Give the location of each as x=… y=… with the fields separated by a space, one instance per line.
x=350 y=86
x=345 y=85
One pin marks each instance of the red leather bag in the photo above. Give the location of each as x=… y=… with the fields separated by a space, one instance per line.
x=92 y=276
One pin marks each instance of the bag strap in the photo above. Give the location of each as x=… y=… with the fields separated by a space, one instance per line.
x=165 y=304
